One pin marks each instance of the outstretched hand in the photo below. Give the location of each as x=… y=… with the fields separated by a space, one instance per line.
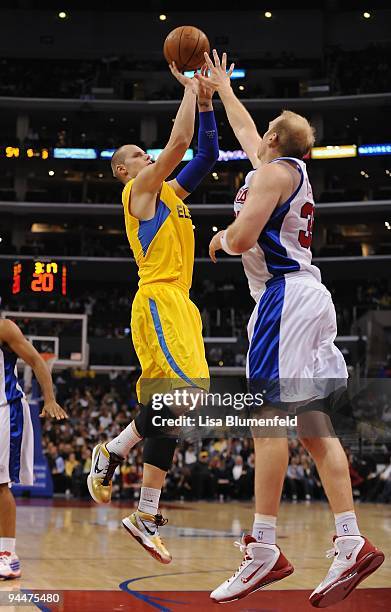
x=203 y=87
x=183 y=80
x=219 y=78
x=53 y=410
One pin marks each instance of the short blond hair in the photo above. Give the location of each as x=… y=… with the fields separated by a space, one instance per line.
x=296 y=135
x=118 y=158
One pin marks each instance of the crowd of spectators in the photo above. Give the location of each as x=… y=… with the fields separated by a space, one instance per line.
x=96 y=186
x=213 y=469
x=347 y=71
x=105 y=192
x=360 y=71
x=54 y=78
x=230 y=297
x=225 y=306
x=110 y=242
x=353 y=299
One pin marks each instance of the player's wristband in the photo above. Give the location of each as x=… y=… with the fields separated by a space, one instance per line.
x=224 y=244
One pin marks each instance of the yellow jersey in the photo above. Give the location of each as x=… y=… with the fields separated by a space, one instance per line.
x=163 y=247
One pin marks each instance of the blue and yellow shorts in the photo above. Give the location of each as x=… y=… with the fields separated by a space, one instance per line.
x=167 y=337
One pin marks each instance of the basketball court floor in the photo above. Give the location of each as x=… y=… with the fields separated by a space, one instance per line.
x=81 y=550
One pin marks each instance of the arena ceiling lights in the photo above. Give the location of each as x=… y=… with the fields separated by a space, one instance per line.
x=223 y=156
x=231 y=155
x=334 y=152
x=154 y=153
x=236 y=74
x=327 y=152
x=73 y=153
x=375 y=149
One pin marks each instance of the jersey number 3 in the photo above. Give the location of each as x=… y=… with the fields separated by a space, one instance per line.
x=305 y=236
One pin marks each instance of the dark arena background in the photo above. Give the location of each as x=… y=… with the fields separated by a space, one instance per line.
x=78 y=80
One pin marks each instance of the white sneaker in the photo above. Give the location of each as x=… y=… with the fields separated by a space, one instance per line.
x=355 y=558
x=262 y=564
x=9 y=566
x=99 y=480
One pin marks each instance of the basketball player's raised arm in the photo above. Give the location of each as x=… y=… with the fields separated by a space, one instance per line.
x=238 y=116
x=148 y=182
x=264 y=195
x=207 y=155
x=13 y=337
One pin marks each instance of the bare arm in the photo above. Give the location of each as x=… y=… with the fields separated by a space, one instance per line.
x=266 y=191
x=238 y=116
x=148 y=182
x=13 y=337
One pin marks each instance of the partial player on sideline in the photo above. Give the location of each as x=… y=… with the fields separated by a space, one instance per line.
x=291 y=336
x=16 y=433
x=166 y=325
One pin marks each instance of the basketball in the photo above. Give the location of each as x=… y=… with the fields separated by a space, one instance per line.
x=185 y=46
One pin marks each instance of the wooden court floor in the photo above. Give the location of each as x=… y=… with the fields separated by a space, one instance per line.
x=82 y=550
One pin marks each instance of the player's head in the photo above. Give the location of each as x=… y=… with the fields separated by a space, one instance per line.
x=288 y=135
x=128 y=161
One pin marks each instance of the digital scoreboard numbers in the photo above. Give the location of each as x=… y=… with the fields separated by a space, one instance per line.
x=47 y=277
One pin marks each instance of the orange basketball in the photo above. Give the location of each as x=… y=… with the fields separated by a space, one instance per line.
x=185 y=46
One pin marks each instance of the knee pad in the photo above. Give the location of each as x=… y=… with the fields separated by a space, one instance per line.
x=159 y=452
x=145 y=426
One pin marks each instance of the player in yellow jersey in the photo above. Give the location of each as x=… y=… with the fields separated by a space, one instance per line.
x=166 y=325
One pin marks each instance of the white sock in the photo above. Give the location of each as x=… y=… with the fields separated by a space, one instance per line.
x=7 y=545
x=149 y=500
x=264 y=528
x=122 y=444
x=346 y=524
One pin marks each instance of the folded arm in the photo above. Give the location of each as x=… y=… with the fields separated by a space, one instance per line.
x=264 y=195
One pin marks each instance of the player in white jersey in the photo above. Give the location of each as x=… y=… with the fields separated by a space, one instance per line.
x=16 y=433
x=291 y=335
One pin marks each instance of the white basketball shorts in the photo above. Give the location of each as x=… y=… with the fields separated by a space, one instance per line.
x=16 y=443
x=291 y=334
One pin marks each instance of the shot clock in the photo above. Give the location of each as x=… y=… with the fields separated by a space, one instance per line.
x=39 y=277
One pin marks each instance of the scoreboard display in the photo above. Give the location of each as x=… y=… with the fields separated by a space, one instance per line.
x=43 y=277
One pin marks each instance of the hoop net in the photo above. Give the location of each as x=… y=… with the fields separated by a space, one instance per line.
x=49 y=359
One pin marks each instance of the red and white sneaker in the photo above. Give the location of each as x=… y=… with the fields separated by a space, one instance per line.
x=9 y=566
x=262 y=564
x=355 y=558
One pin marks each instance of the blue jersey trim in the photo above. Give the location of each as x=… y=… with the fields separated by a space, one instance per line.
x=276 y=256
x=12 y=392
x=163 y=345
x=264 y=348
x=294 y=194
x=265 y=341
x=148 y=229
x=16 y=435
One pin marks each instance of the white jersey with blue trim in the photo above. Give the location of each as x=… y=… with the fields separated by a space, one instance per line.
x=10 y=390
x=284 y=245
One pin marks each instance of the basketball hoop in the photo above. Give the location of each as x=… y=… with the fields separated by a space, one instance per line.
x=49 y=359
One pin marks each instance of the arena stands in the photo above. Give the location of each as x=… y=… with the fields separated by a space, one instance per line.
x=219 y=469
